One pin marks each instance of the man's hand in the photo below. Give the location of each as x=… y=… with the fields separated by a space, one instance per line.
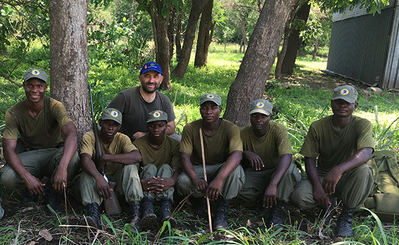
x=270 y=196
x=157 y=184
x=331 y=180
x=214 y=189
x=321 y=197
x=138 y=134
x=200 y=184
x=255 y=160
x=60 y=179
x=103 y=187
x=34 y=185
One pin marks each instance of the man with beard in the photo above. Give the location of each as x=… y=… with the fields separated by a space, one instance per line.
x=223 y=153
x=136 y=103
x=336 y=150
x=161 y=167
x=39 y=140
x=121 y=158
x=270 y=177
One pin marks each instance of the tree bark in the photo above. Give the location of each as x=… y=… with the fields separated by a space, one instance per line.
x=160 y=32
x=258 y=60
x=69 y=59
x=196 y=9
x=204 y=35
x=294 y=41
x=172 y=32
x=178 y=35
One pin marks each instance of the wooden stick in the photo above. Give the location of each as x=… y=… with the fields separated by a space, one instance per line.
x=206 y=179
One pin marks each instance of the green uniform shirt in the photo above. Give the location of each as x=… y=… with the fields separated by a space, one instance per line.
x=119 y=145
x=270 y=147
x=217 y=147
x=332 y=147
x=40 y=132
x=167 y=153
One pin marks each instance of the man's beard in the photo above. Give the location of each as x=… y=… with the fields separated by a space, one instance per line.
x=150 y=91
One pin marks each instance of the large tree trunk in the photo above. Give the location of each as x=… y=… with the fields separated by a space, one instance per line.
x=172 y=32
x=178 y=35
x=69 y=60
x=160 y=32
x=204 y=35
x=196 y=9
x=294 y=41
x=243 y=30
x=258 y=60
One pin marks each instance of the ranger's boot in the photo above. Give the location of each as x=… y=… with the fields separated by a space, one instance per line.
x=276 y=216
x=135 y=216
x=220 y=221
x=344 y=223
x=149 y=219
x=199 y=206
x=54 y=199
x=93 y=215
x=166 y=211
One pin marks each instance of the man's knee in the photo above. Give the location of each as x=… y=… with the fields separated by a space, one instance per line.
x=302 y=197
x=183 y=184
x=9 y=178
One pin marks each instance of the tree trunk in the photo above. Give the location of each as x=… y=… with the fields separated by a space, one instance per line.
x=315 y=49
x=172 y=32
x=196 y=9
x=243 y=42
x=178 y=35
x=204 y=35
x=69 y=59
x=258 y=59
x=160 y=32
x=294 y=41
x=281 y=54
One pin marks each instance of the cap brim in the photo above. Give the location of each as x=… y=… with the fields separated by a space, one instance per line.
x=156 y=120
x=202 y=102
x=259 y=111
x=346 y=98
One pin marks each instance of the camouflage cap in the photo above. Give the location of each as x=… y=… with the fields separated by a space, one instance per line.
x=261 y=106
x=112 y=114
x=211 y=97
x=35 y=73
x=345 y=92
x=157 y=115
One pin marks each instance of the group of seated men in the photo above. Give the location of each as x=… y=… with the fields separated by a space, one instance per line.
x=148 y=161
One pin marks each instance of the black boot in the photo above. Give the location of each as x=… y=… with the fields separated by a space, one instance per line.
x=135 y=215
x=93 y=215
x=199 y=206
x=276 y=216
x=344 y=223
x=166 y=211
x=220 y=221
x=149 y=219
x=55 y=199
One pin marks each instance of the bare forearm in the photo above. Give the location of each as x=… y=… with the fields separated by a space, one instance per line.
x=170 y=128
x=231 y=163
x=359 y=158
x=132 y=157
x=310 y=166
x=188 y=166
x=12 y=158
x=89 y=166
x=284 y=163
x=70 y=144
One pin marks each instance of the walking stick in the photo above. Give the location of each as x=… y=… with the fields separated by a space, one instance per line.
x=206 y=179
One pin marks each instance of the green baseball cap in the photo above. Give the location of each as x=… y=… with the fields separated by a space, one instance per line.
x=261 y=106
x=112 y=114
x=211 y=97
x=345 y=92
x=35 y=73
x=157 y=115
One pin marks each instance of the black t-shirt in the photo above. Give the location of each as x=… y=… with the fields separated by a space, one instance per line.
x=135 y=109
